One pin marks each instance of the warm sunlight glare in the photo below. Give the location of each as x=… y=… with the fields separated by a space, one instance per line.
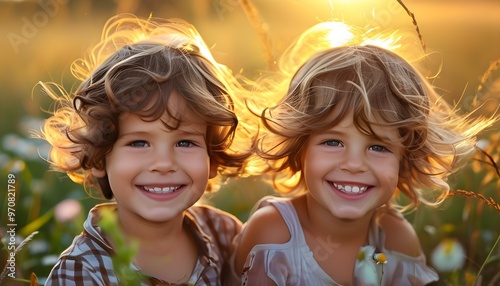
x=139 y=37
x=386 y=42
x=338 y=34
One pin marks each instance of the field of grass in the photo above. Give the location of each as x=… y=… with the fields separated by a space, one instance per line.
x=41 y=39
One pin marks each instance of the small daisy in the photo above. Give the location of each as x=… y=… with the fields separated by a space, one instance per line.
x=380 y=258
x=448 y=256
x=369 y=266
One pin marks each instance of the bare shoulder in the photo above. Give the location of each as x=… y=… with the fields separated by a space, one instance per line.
x=265 y=226
x=400 y=236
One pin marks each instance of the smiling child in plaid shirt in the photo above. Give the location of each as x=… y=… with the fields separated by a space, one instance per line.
x=153 y=125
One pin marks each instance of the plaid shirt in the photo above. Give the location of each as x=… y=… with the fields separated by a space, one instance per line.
x=88 y=260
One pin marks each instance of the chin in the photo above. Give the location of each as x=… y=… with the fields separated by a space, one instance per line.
x=158 y=217
x=349 y=213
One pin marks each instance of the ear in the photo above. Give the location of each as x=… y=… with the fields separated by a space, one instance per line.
x=98 y=173
x=213 y=169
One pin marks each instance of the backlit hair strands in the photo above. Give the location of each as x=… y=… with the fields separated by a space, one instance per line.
x=135 y=67
x=125 y=29
x=375 y=83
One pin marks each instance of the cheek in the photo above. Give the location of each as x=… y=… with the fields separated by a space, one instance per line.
x=392 y=180
x=391 y=176
x=121 y=164
x=316 y=159
x=198 y=166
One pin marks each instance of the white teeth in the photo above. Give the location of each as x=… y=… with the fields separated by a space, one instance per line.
x=350 y=189
x=159 y=190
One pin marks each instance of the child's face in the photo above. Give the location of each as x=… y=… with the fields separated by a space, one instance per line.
x=349 y=173
x=156 y=173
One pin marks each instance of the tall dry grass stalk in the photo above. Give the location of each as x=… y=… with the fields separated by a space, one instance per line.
x=18 y=248
x=260 y=26
x=414 y=21
x=489 y=201
x=490 y=161
x=487 y=74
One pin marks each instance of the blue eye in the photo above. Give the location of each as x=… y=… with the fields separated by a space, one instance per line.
x=378 y=148
x=334 y=143
x=138 y=143
x=185 y=143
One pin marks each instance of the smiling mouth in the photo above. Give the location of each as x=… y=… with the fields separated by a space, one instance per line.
x=350 y=189
x=158 y=190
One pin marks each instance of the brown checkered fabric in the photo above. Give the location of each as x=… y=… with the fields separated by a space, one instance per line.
x=87 y=261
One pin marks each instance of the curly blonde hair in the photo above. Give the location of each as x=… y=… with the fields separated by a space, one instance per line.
x=369 y=81
x=134 y=68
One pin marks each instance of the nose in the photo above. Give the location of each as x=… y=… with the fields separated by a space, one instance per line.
x=162 y=161
x=353 y=160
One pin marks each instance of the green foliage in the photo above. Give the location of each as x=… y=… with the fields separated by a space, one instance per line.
x=125 y=252
x=467 y=221
x=463 y=220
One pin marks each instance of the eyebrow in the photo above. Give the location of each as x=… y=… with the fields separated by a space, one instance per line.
x=132 y=133
x=381 y=136
x=183 y=132
x=179 y=130
x=332 y=132
x=386 y=139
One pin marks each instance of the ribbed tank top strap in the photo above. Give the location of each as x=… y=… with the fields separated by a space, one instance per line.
x=376 y=236
x=287 y=211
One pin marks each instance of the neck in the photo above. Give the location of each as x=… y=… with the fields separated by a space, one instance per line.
x=144 y=231
x=320 y=221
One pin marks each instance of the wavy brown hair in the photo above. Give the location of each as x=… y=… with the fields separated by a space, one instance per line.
x=369 y=82
x=135 y=68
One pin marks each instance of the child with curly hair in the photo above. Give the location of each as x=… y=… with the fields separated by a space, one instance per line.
x=358 y=127
x=153 y=125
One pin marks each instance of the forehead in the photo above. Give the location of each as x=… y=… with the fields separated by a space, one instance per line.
x=176 y=111
x=376 y=127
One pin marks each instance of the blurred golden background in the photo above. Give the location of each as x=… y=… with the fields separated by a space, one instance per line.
x=40 y=39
